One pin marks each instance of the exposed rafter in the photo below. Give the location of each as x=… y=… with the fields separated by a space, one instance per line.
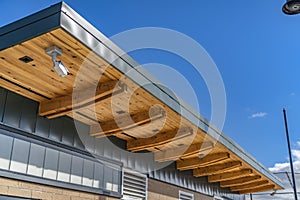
x=159 y=139
x=183 y=152
x=240 y=181
x=229 y=175
x=218 y=168
x=250 y=185
x=209 y=159
x=258 y=189
x=126 y=122
x=66 y=104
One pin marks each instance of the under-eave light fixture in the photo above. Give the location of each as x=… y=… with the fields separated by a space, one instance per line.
x=59 y=67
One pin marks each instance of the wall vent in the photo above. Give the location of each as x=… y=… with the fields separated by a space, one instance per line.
x=134 y=186
x=186 y=196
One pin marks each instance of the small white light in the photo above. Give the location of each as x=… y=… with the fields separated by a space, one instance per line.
x=59 y=67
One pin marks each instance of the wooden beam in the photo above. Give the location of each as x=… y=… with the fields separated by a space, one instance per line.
x=218 y=168
x=258 y=189
x=65 y=104
x=126 y=122
x=240 y=181
x=249 y=185
x=229 y=175
x=209 y=159
x=159 y=139
x=183 y=152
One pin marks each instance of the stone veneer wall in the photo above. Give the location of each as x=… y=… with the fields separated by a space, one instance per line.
x=36 y=191
x=158 y=190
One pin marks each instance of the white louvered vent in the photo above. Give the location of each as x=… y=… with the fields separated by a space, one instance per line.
x=134 y=186
x=185 y=196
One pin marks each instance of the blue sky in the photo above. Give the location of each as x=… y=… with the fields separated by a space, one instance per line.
x=254 y=45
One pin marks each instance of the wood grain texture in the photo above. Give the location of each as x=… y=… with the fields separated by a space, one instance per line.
x=37 y=80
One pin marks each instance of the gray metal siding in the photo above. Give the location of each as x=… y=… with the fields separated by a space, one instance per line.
x=22 y=113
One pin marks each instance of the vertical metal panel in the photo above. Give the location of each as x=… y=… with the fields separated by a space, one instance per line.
x=99 y=146
x=5 y=151
x=20 y=155
x=42 y=127
x=116 y=180
x=98 y=175
x=36 y=160
x=51 y=164
x=108 y=177
x=56 y=129
x=64 y=167
x=88 y=173
x=68 y=137
x=13 y=109
x=76 y=170
x=84 y=129
x=3 y=94
x=28 y=115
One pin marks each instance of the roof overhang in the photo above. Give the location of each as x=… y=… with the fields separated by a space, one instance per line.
x=82 y=44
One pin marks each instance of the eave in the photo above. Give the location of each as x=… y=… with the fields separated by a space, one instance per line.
x=226 y=162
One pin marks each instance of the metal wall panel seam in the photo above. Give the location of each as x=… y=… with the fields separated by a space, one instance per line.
x=20 y=134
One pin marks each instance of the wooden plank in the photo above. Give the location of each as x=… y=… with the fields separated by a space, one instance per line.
x=229 y=175
x=63 y=105
x=210 y=159
x=159 y=139
x=126 y=122
x=249 y=185
x=240 y=181
x=21 y=90
x=258 y=189
x=183 y=151
x=218 y=168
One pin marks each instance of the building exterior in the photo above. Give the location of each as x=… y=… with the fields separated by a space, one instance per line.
x=99 y=132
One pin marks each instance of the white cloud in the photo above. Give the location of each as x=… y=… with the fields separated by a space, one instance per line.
x=285 y=166
x=258 y=115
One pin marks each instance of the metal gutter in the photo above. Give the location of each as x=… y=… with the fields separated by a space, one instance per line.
x=61 y=15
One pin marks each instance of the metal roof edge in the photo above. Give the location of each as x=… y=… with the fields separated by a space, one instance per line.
x=124 y=63
x=61 y=15
x=30 y=26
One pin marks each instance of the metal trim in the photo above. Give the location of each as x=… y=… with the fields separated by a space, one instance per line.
x=47 y=20
x=30 y=26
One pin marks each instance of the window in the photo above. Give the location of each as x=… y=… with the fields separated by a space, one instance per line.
x=185 y=195
x=134 y=186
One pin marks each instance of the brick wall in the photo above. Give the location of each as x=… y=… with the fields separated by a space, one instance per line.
x=158 y=190
x=36 y=191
